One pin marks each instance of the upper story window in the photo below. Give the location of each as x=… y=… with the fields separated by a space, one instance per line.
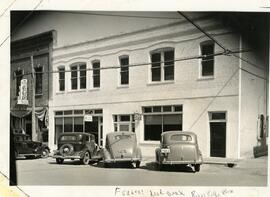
x=96 y=74
x=18 y=75
x=78 y=76
x=207 y=62
x=61 y=78
x=162 y=68
x=39 y=81
x=124 y=70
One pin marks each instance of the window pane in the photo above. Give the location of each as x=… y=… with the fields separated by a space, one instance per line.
x=59 y=113
x=152 y=127
x=168 y=65
x=78 y=124
x=96 y=74
x=123 y=127
x=207 y=62
x=78 y=111
x=147 y=109
x=178 y=108
x=98 y=111
x=124 y=70
x=167 y=108
x=156 y=69
x=218 y=116
x=115 y=127
x=74 y=82
x=172 y=122
x=58 y=128
x=39 y=80
x=68 y=124
x=68 y=112
x=157 y=109
x=208 y=68
x=61 y=79
x=82 y=76
x=124 y=118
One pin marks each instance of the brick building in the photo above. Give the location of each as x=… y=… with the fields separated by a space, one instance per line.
x=38 y=47
x=150 y=74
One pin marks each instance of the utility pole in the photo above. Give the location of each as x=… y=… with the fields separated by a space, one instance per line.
x=34 y=137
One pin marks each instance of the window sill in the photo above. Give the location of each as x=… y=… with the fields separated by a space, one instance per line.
x=122 y=86
x=206 y=78
x=93 y=89
x=160 y=83
x=62 y=92
x=76 y=91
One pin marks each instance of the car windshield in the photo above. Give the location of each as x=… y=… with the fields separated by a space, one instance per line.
x=181 y=137
x=70 y=137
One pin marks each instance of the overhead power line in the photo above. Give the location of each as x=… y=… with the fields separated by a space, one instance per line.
x=146 y=63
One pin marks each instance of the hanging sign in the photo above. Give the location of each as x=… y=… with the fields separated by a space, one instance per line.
x=22 y=98
x=88 y=118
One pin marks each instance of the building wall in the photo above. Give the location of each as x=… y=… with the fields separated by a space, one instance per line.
x=188 y=89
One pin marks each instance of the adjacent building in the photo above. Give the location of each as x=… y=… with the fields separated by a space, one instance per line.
x=114 y=72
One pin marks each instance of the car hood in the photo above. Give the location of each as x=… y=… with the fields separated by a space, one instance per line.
x=122 y=149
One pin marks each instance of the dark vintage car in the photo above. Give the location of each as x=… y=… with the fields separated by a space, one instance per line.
x=121 y=147
x=25 y=147
x=178 y=147
x=77 y=145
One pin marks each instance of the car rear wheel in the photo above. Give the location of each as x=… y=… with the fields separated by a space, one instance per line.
x=86 y=158
x=45 y=153
x=197 y=167
x=138 y=164
x=59 y=160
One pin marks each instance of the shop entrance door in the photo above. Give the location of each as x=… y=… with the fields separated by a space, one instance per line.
x=218 y=134
x=95 y=127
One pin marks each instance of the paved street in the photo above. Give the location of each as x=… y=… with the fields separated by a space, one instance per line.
x=252 y=172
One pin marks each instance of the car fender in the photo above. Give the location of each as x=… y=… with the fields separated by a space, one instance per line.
x=157 y=154
x=106 y=154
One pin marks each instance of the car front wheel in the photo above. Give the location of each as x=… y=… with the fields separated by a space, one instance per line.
x=45 y=153
x=59 y=160
x=86 y=158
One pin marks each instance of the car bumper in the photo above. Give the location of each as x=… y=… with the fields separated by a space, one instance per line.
x=120 y=160
x=67 y=157
x=180 y=162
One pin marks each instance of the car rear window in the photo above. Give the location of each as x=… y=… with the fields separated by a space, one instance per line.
x=70 y=137
x=181 y=137
x=118 y=137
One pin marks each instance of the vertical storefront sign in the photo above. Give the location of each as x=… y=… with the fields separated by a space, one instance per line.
x=22 y=98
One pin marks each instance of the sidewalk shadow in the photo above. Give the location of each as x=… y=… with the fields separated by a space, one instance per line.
x=71 y=162
x=168 y=168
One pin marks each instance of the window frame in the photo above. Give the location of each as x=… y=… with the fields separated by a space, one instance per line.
x=130 y=123
x=78 y=77
x=36 y=81
x=61 y=80
x=96 y=75
x=162 y=113
x=121 y=71
x=162 y=51
x=202 y=44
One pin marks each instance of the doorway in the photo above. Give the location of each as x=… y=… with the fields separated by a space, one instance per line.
x=217 y=134
x=95 y=127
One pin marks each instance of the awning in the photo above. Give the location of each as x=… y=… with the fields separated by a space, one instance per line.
x=20 y=113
